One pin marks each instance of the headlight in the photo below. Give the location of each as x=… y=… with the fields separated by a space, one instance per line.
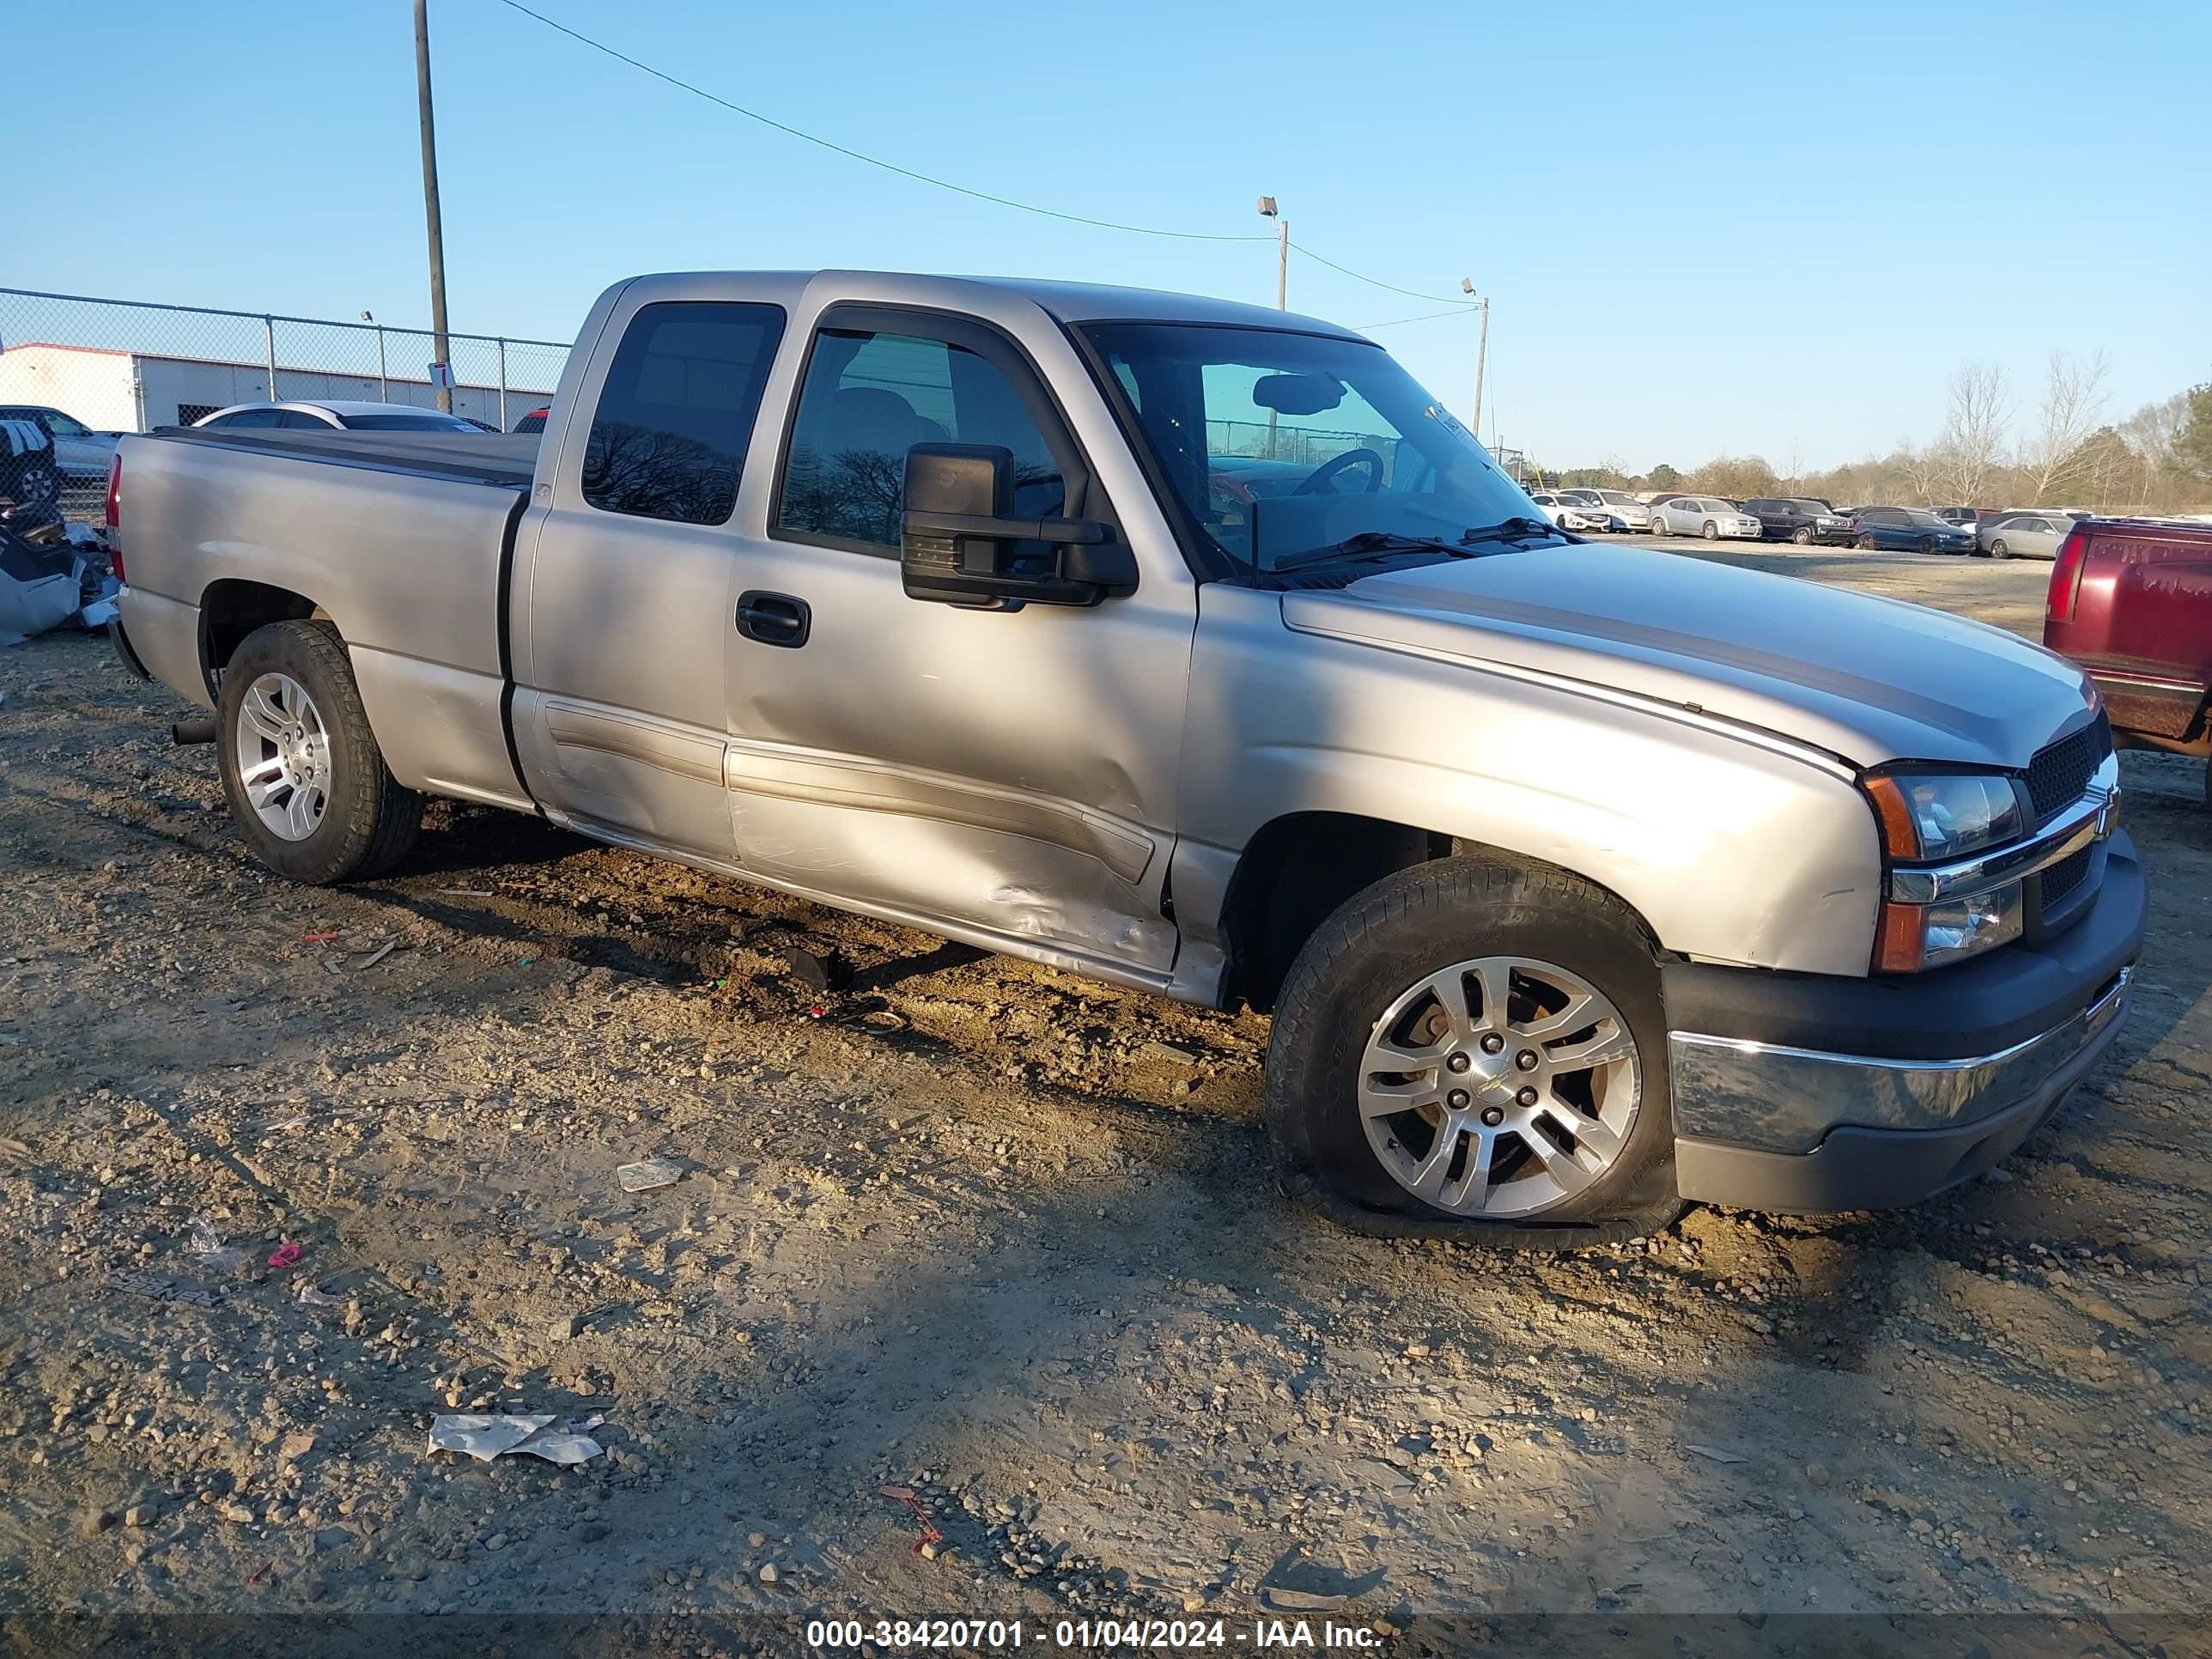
x=1928 y=815
x=1917 y=936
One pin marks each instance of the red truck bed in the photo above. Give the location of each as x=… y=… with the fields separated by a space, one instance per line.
x=2130 y=601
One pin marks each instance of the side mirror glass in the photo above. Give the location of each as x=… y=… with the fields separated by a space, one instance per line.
x=961 y=545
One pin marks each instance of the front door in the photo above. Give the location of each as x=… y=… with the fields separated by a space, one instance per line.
x=622 y=588
x=1009 y=772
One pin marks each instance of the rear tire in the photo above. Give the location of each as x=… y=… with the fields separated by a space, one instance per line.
x=1863 y=543
x=308 y=786
x=1606 y=1170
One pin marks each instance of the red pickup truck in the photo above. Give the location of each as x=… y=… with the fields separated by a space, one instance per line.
x=2130 y=601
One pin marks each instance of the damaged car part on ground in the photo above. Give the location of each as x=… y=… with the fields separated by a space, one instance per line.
x=1551 y=862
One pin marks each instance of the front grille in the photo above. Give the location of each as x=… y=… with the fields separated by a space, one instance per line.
x=2063 y=877
x=2059 y=773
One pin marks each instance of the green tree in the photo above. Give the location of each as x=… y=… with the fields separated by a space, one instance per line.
x=2192 y=444
x=1663 y=477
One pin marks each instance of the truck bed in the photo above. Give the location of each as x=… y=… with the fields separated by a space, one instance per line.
x=404 y=540
x=489 y=458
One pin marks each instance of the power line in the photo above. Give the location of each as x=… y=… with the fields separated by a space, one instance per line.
x=873 y=160
x=946 y=184
x=1410 y=293
x=1425 y=317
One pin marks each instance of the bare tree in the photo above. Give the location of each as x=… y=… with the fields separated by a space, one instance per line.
x=1792 y=468
x=2150 y=432
x=2072 y=397
x=1975 y=426
x=1926 y=471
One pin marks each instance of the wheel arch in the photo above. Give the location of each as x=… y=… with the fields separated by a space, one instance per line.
x=1299 y=866
x=232 y=608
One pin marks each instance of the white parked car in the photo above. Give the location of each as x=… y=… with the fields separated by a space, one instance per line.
x=1703 y=515
x=1632 y=513
x=1567 y=509
x=338 y=414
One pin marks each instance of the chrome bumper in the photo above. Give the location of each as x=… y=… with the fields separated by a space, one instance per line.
x=1788 y=1100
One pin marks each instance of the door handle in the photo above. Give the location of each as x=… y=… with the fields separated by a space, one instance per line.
x=773 y=618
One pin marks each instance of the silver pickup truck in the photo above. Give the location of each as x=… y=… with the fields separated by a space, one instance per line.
x=1197 y=647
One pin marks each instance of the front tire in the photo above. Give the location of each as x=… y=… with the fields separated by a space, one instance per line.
x=1802 y=536
x=308 y=786
x=1999 y=550
x=1476 y=1051
x=1659 y=526
x=1713 y=532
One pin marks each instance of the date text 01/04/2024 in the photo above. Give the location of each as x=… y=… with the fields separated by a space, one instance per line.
x=1169 y=1634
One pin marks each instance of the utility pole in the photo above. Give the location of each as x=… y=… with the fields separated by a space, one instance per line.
x=1481 y=351
x=1267 y=211
x=1282 y=251
x=441 y=371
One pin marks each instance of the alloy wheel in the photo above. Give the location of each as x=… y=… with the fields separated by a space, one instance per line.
x=283 y=756
x=1498 y=1087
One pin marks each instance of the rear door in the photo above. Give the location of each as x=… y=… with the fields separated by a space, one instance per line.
x=623 y=601
x=1009 y=773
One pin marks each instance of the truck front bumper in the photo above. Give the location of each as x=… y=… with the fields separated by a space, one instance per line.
x=1801 y=1094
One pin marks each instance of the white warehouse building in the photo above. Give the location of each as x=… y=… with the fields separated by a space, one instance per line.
x=135 y=392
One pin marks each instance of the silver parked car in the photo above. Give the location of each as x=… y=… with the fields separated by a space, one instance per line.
x=82 y=455
x=1703 y=515
x=1191 y=647
x=337 y=415
x=2021 y=535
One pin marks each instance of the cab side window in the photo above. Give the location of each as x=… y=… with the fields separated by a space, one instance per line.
x=669 y=436
x=871 y=396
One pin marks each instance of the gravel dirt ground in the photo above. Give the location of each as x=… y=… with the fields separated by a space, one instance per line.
x=1000 y=1240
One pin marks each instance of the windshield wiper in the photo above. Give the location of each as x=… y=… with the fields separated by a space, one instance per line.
x=1512 y=530
x=1370 y=544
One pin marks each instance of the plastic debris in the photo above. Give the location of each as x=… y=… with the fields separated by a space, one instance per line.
x=1716 y=1454
x=308 y=1296
x=205 y=1246
x=486 y=1436
x=155 y=1288
x=930 y=1535
x=317 y=938
x=285 y=1254
x=649 y=1173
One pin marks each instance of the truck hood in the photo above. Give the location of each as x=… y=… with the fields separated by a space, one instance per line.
x=1868 y=679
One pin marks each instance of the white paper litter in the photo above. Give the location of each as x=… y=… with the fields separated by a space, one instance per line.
x=643 y=1177
x=486 y=1436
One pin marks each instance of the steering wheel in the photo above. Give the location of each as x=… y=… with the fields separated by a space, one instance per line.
x=1325 y=474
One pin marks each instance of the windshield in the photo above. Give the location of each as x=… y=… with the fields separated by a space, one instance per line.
x=426 y=423
x=1276 y=444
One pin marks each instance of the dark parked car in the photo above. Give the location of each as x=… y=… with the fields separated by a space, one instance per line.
x=1907 y=530
x=1804 y=519
x=2130 y=602
x=534 y=420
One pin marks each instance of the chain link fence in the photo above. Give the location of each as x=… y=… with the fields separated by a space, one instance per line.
x=111 y=365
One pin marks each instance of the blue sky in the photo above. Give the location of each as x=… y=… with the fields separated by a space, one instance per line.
x=1710 y=229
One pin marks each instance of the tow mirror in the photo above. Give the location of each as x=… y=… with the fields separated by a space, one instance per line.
x=961 y=545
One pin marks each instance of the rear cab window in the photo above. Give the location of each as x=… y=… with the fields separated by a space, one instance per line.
x=676 y=410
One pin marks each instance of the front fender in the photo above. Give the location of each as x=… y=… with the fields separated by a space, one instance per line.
x=1733 y=846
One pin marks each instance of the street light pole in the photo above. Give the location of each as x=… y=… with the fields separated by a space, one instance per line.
x=1267 y=211
x=439 y=345
x=1481 y=351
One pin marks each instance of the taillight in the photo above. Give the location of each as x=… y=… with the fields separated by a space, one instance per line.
x=2066 y=575
x=115 y=514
